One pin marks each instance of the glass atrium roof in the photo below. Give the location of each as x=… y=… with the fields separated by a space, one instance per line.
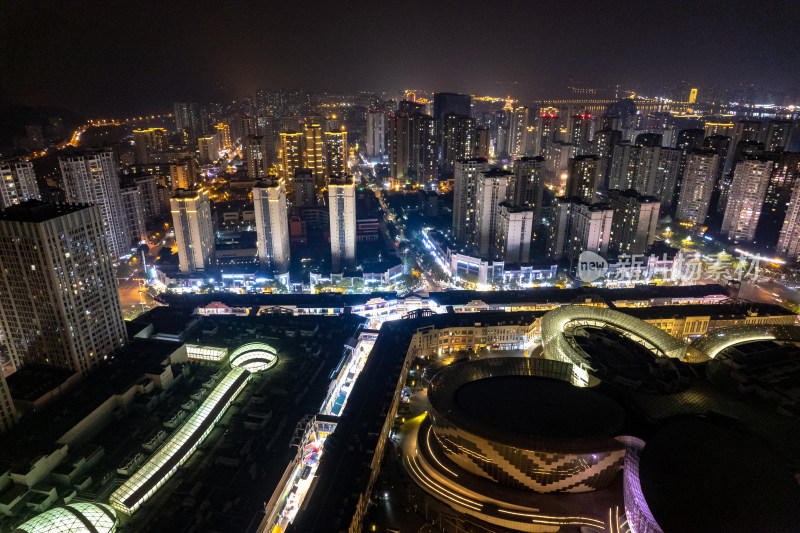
x=73 y=518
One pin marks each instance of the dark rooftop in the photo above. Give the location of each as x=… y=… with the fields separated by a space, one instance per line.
x=32 y=381
x=699 y=476
x=38 y=211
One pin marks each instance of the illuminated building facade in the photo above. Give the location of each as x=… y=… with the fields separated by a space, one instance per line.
x=398 y=147
x=291 y=156
x=746 y=199
x=342 y=207
x=58 y=296
x=633 y=224
x=224 y=132
x=314 y=152
x=272 y=225
x=518 y=133
x=423 y=150
x=458 y=141
x=529 y=185
x=183 y=173
x=697 y=187
x=376 y=134
x=513 y=234
x=255 y=151
x=305 y=194
x=336 y=152
x=657 y=171
x=208 y=148
x=17 y=183
x=492 y=188
x=464 y=197
x=584 y=177
x=194 y=231
x=91 y=177
x=149 y=141
x=8 y=414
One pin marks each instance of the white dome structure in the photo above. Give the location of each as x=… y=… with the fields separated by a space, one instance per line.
x=73 y=518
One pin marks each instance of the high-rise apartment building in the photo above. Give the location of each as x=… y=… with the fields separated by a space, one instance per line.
x=584 y=177
x=291 y=156
x=464 y=191
x=133 y=211
x=376 y=134
x=398 y=147
x=580 y=133
x=483 y=141
x=451 y=103
x=194 y=230
x=255 y=152
x=633 y=224
x=746 y=199
x=458 y=141
x=208 y=148
x=744 y=131
x=8 y=414
x=147 y=142
x=622 y=170
x=423 y=151
x=272 y=225
x=59 y=305
x=546 y=130
x=513 y=233
x=697 y=187
x=336 y=153
x=90 y=177
x=529 y=185
x=314 y=152
x=492 y=188
x=589 y=229
x=342 y=211
x=789 y=239
x=224 y=132
x=518 y=133
x=17 y=183
x=557 y=156
x=305 y=193
x=183 y=173
x=558 y=228
x=657 y=172
x=151 y=201
x=187 y=118
x=778 y=135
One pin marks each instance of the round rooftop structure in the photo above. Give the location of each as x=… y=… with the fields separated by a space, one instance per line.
x=699 y=476
x=558 y=339
x=254 y=357
x=73 y=518
x=520 y=422
x=715 y=341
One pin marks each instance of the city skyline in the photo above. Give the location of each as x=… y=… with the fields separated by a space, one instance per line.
x=237 y=51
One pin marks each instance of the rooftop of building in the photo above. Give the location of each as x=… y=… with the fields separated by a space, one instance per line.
x=33 y=381
x=496 y=173
x=341 y=180
x=38 y=211
x=721 y=479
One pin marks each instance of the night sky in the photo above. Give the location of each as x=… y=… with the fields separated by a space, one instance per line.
x=119 y=57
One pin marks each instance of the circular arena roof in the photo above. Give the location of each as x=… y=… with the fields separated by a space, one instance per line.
x=558 y=343
x=526 y=403
x=254 y=356
x=73 y=518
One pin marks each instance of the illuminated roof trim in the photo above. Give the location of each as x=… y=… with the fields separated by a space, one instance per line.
x=254 y=357
x=77 y=517
x=558 y=346
x=164 y=463
x=717 y=340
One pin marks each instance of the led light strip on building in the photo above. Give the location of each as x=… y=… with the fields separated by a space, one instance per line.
x=165 y=462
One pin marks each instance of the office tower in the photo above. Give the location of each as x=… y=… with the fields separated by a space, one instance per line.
x=183 y=173
x=789 y=239
x=59 y=305
x=224 y=132
x=557 y=156
x=622 y=170
x=133 y=212
x=291 y=156
x=208 y=148
x=151 y=203
x=657 y=172
x=633 y=224
x=336 y=153
x=90 y=177
x=558 y=228
x=423 y=151
x=187 y=119
x=778 y=134
x=305 y=194
x=464 y=190
x=342 y=211
x=376 y=134
x=451 y=103
x=398 y=147
x=529 y=185
x=194 y=230
x=697 y=187
x=147 y=142
x=8 y=414
x=518 y=133
x=482 y=142
x=314 y=152
x=746 y=198
x=580 y=133
x=17 y=183
x=272 y=225
x=513 y=233
x=584 y=177
x=256 y=157
x=458 y=141
x=491 y=190
x=546 y=130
